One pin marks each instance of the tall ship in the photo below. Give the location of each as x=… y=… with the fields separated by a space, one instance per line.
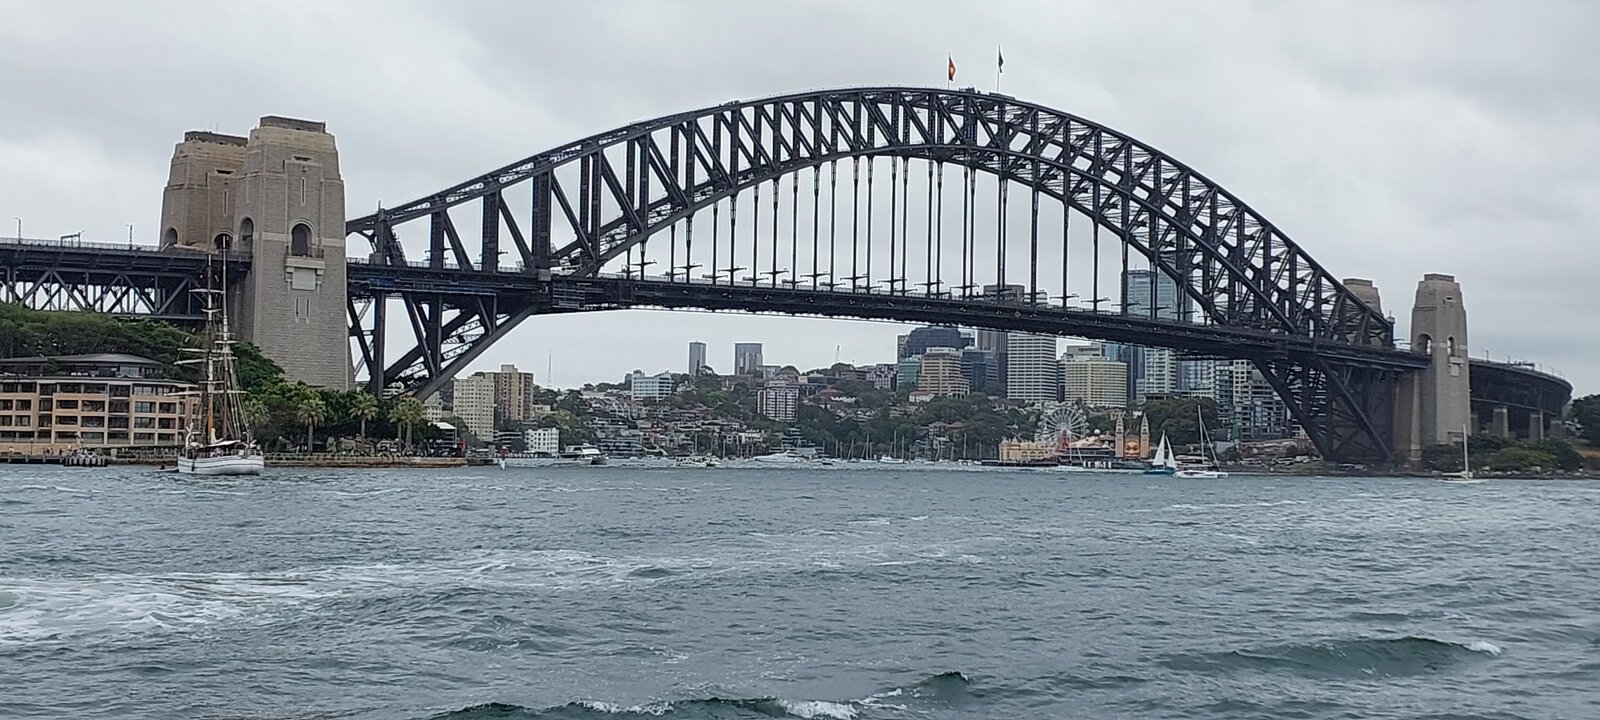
x=218 y=441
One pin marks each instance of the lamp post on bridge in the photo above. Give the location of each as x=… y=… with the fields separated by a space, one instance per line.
x=19 y=227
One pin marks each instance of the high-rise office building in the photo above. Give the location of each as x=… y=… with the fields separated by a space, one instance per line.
x=940 y=374
x=1153 y=295
x=906 y=372
x=1096 y=382
x=998 y=341
x=995 y=342
x=1094 y=350
x=1169 y=304
x=746 y=358
x=1198 y=378
x=1033 y=373
x=697 y=357
x=919 y=340
x=977 y=366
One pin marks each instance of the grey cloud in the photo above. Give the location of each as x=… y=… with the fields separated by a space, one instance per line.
x=1389 y=139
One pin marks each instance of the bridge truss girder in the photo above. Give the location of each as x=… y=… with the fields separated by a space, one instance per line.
x=637 y=181
x=124 y=283
x=603 y=198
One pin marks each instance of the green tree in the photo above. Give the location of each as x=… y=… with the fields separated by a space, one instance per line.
x=408 y=413
x=1565 y=455
x=1513 y=459
x=570 y=426
x=256 y=414
x=312 y=411
x=1443 y=458
x=1586 y=410
x=1177 y=418
x=1483 y=446
x=364 y=407
x=256 y=371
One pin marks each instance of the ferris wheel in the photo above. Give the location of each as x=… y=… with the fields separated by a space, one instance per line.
x=1061 y=424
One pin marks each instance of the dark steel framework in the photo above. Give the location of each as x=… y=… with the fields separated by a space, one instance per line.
x=120 y=280
x=599 y=202
x=1520 y=389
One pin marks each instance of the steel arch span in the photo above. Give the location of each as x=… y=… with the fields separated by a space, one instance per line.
x=621 y=201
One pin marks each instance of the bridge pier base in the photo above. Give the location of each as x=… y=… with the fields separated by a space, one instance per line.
x=1500 y=424
x=1535 y=426
x=1433 y=406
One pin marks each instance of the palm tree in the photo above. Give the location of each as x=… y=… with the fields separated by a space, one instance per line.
x=256 y=414
x=408 y=413
x=310 y=410
x=364 y=407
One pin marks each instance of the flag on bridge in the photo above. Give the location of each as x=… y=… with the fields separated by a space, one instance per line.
x=952 y=74
x=1000 y=59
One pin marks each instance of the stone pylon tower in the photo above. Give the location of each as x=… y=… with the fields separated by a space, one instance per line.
x=1434 y=406
x=277 y=198
x=197 y=206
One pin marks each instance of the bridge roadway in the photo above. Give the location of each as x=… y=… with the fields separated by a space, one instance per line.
x=133 y=280
x=516 y=292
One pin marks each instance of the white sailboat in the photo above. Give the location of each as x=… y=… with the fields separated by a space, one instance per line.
x=1208 y=471
x=221 y=443
x=1164 y=463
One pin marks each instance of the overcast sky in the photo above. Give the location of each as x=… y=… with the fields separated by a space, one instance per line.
x=1389 y=139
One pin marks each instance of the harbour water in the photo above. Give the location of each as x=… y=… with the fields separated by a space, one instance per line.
x=861 y=593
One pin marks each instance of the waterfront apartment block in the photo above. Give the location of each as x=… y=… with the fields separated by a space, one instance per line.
x=106 y=401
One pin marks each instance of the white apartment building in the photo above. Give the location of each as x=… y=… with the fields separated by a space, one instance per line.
x=542 y=440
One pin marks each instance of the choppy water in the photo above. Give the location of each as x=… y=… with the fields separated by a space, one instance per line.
x=860 y=594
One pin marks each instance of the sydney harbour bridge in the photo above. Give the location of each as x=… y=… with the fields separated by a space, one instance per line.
x=951 y=207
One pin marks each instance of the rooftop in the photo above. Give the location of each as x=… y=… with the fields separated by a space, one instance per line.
x=91 y=359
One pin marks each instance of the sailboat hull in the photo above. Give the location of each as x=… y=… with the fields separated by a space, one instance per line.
x=250 y=464
x=1159 y=471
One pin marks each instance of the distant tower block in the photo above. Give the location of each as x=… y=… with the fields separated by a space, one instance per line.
x=1439 y=330
x=197 y=206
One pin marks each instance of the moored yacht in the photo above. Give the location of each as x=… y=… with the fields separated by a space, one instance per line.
x=1208 y=468
x=584 y=454
x=787 y=457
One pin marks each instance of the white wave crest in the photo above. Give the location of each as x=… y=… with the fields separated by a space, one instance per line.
x=657 y=709
x=812 y=709
x=1485 y=647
